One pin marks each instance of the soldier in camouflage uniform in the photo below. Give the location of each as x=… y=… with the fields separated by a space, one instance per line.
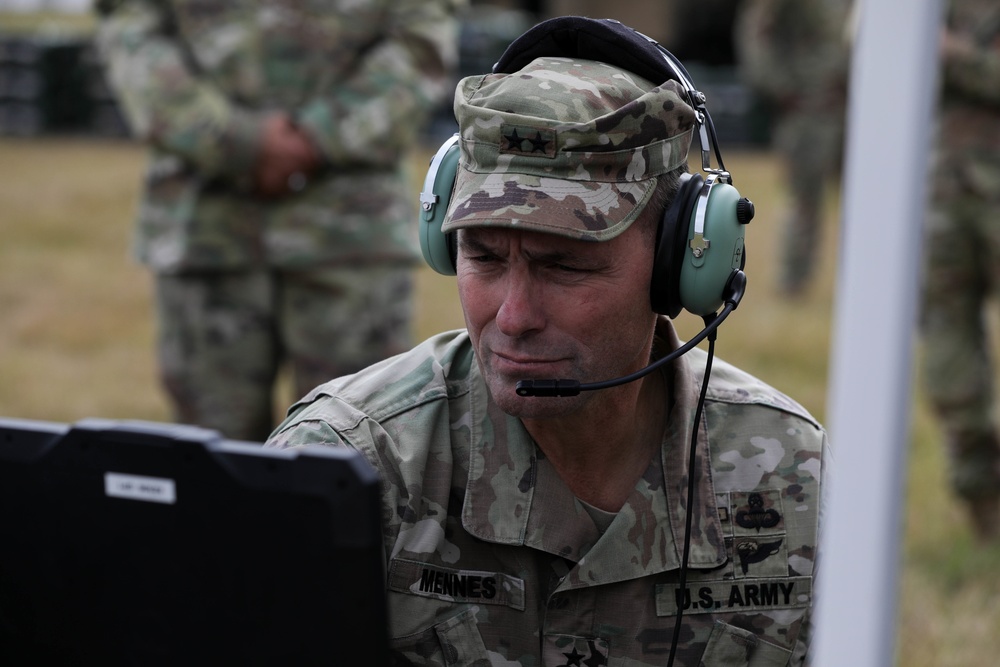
x=537 y=531
x=793 y=54
x=275 y=216
x=963 y=257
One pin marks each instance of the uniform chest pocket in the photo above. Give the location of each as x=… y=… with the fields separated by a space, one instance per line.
x=729 y=646
x=454 y=642
x=433 y=611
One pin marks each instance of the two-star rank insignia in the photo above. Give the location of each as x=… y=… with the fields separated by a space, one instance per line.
x=592 y=658
x=567 y=651
x=528 y=141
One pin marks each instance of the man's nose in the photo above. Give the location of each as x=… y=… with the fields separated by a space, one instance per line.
x=522 y=309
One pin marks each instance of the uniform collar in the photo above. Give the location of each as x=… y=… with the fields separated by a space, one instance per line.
x=514 y=495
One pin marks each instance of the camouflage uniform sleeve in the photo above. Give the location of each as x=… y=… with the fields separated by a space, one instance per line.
x=372 y=116
x=974 y=74
x=802 y=653
x=312 y=432
x=789 y=49
x=167 y=102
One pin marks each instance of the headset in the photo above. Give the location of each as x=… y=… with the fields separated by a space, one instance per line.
x=700 y=240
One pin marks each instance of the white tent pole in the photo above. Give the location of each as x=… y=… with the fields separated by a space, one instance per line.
x=891 y=98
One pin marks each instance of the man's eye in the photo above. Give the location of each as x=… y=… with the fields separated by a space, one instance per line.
x=566 y=268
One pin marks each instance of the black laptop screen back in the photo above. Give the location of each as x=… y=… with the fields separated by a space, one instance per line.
x=130 y=543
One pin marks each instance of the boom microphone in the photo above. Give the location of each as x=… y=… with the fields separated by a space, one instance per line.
x=734 y=291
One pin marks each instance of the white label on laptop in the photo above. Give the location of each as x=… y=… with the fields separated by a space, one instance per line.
x=139 y=487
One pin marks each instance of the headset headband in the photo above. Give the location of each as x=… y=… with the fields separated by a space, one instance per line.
x=604 y=40
x=609 y=41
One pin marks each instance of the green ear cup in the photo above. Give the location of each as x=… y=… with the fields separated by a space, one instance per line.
x=435 y=245
x=714 y=245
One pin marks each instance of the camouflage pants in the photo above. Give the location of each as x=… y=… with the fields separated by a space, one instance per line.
x=810 y=147
x=223 y=337
x=962 y=272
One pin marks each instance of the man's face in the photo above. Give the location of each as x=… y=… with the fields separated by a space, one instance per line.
x=540 y=306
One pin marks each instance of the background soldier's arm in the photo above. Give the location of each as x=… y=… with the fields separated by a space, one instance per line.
x=166 y=100
x=970 y=60
x=377 y=112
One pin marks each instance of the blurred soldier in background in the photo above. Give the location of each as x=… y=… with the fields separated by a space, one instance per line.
x=963 y=256
x=794 y=55
x=276 y=216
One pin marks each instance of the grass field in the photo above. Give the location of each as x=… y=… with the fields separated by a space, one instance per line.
x=76 y=341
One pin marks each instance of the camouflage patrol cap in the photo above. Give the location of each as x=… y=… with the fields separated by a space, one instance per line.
x=565 y=146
